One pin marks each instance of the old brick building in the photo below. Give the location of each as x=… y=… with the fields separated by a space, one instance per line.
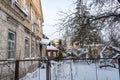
x=20 y=30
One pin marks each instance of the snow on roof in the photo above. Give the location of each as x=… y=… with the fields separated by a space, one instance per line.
x=82 y=50
x=45 y=41
x=51 y=48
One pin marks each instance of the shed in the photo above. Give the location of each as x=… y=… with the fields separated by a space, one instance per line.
x=52 y=51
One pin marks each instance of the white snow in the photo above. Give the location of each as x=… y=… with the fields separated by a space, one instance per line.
x=45 y=41
x=82 y=71
x=102 y=51
x=51 y=48
x=68 y=70
x=116 y=48
x=39 y=74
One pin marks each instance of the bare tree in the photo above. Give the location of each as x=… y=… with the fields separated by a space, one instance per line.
x=90 y=16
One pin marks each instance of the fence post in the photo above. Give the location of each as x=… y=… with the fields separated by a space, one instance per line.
x=17 y=70
x=119 y=67
x=48 y=70
x=71 y=70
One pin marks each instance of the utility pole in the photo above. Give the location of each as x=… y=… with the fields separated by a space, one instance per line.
x=119 y=66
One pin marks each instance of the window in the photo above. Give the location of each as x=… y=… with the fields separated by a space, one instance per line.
x=11 y=44
x=37 y=50
x=54 y=54
x=26 y=55
x=33 y=26
x=33 y=48
x=33 y=20
x=49 y=54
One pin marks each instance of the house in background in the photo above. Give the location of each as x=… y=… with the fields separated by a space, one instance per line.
x=52 y=52
x=20 y=34
x=49 y=50
x=91 y=50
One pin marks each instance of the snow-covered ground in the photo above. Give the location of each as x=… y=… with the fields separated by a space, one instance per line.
x=39 y=74
x=75 y=71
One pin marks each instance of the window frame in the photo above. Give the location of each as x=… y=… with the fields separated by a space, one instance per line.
x=32 y=48
x=27 y=45
x=33 y=17
x=11 y=55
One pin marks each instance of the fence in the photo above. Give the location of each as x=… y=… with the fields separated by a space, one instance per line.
x=16 y=69
x=7 y=70
x=86 y=69
x=65 y=69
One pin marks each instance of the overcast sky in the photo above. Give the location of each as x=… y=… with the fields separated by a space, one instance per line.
x=51 y=9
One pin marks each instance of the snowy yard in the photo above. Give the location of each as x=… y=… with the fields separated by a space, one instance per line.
x=75 y=71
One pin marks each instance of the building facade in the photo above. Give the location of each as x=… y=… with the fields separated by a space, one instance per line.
x=20 y=30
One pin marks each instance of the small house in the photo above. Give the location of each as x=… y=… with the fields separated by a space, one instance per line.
x=52 y=51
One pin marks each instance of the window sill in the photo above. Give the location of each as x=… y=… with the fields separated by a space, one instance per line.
x=11 y=60
x=31 y=58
